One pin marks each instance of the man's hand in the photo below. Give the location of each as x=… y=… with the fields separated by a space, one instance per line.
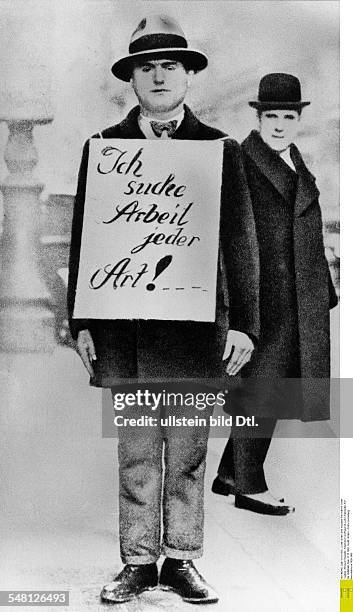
x=85 y=349
x=240 y=347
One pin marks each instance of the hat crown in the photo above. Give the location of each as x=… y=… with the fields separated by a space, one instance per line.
x=157 y=24
x=157 y=31
x=279 y=87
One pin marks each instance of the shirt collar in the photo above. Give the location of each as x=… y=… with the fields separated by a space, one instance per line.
x=287 y=158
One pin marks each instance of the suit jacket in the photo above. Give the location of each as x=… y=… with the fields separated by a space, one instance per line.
x=179 y=349
x=296 y=290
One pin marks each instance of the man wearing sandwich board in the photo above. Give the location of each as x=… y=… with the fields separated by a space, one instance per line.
x=160 y=67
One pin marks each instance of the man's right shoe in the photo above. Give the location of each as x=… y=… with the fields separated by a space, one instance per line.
x=132 y=580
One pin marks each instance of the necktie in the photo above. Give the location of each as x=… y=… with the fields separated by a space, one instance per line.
x=164 y=129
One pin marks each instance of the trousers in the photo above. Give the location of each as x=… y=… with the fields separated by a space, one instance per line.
x=161 y=487
x=242 y=462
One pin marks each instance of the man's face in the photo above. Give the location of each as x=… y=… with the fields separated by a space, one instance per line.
x=278 y=128
x=160 y=86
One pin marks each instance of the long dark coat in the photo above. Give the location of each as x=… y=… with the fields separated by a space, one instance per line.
x=296 y=289
x=150 y=349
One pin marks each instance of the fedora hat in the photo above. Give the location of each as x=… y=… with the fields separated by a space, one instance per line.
x=158 y=36
x=279 y=90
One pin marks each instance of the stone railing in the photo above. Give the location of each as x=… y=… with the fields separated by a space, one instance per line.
x=26 y=316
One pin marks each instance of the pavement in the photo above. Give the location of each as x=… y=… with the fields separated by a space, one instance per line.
x=58 y=494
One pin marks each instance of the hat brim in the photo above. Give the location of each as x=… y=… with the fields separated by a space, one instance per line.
x=191 y=58
x=279 y=105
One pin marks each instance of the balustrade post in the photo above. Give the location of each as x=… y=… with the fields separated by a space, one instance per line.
x=26 y=317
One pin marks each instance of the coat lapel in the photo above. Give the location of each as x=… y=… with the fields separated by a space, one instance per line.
x=306 y=189
x=129 y=127
x=279 y=173
x=271 y=165
x=189 y=129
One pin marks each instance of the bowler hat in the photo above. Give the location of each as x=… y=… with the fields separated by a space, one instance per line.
x=158 y=36
x=279 y=90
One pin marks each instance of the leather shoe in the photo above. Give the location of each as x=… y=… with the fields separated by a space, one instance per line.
x=255 y=505
x=132 y=580
x=183 y=578
x=221 y=488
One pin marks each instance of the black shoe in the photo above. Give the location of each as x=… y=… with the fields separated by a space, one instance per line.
x=132 y=580
x=183 y=578
x=255 y=505
x=221 y=488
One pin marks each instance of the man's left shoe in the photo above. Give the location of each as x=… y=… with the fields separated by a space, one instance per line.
x=221 y=488
x=183 y=578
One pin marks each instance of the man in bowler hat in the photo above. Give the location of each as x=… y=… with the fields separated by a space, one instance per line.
x=160 y=67
x=288 y=374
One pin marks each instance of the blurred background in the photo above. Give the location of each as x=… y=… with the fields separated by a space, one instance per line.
x=58 y=476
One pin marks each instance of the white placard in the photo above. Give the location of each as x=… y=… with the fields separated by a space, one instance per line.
x=150 y=234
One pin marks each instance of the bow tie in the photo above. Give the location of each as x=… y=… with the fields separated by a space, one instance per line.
x=168 y=127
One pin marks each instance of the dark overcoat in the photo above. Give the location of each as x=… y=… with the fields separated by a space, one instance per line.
x=151 y=349
x=296 y=290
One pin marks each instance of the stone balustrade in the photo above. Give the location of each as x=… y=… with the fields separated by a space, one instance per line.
x=26 y=316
